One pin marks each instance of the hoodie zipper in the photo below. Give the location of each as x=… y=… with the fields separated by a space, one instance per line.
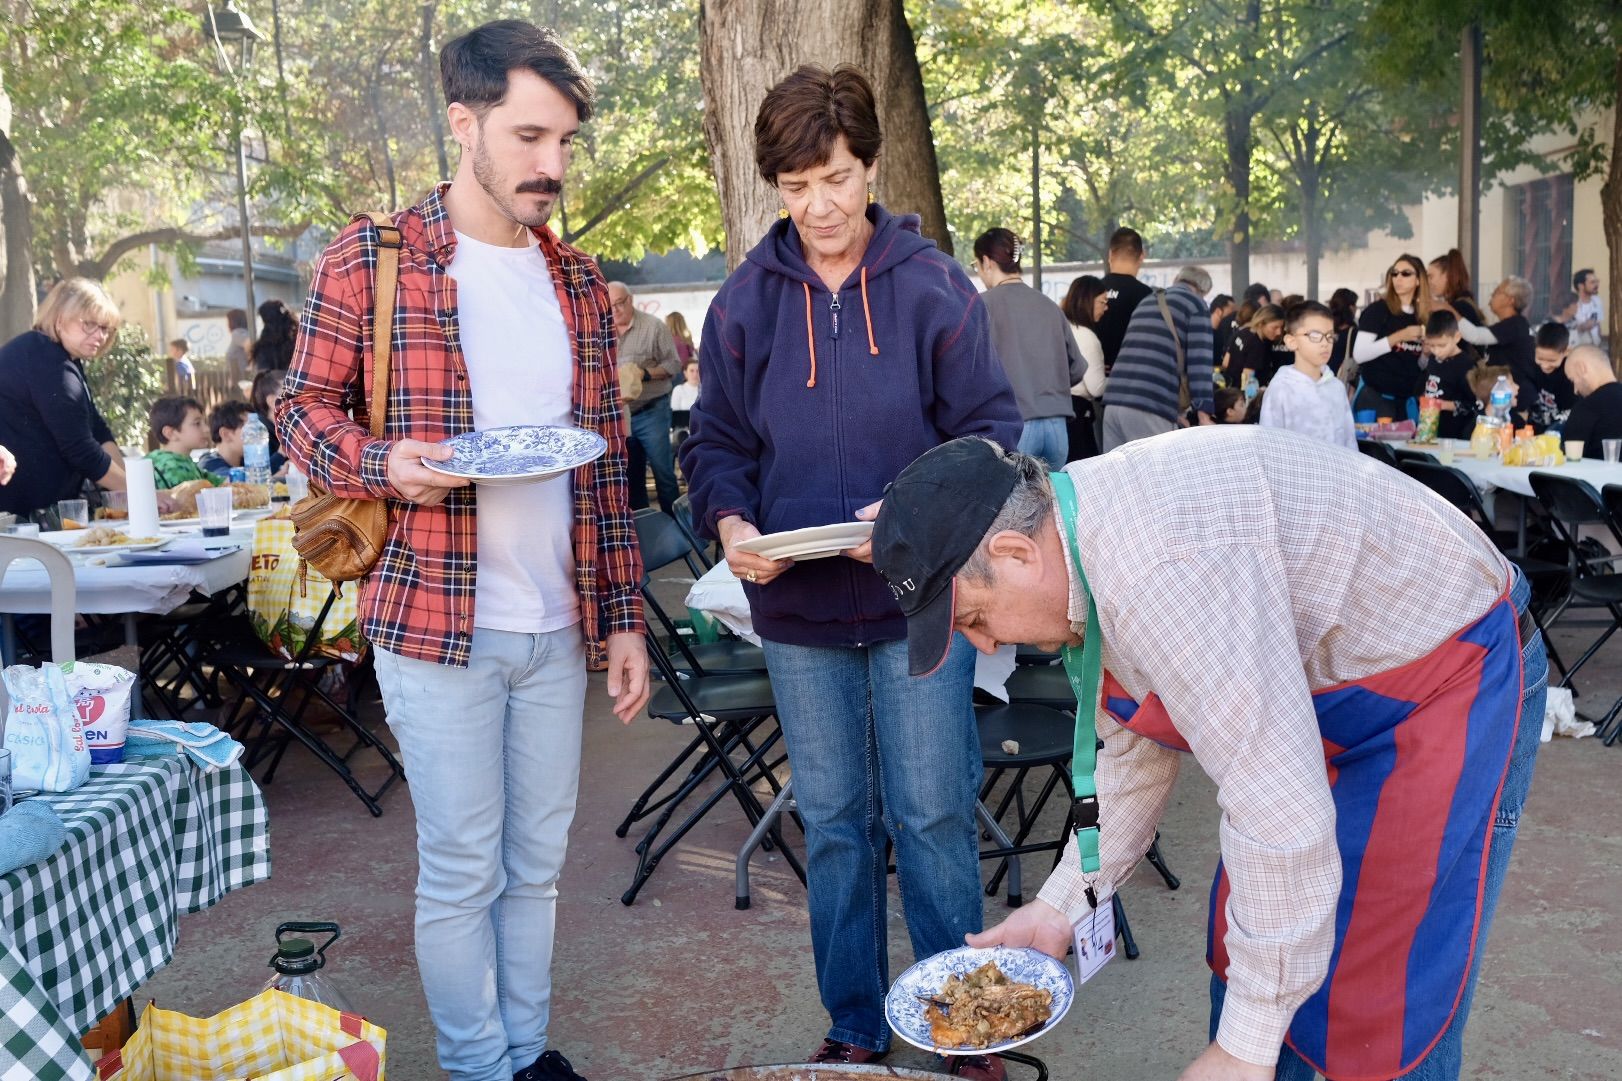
x=834 y=309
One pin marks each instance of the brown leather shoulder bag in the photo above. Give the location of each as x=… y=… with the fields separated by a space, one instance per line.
x=343 y=538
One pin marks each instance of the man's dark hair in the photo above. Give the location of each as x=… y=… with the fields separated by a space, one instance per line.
x=1441 y=322
x=1581 y=276
x=1553 y=335
x=1299 y=312
x=1258 y=292
x=1126 y=241
x=236 y=319
x=227 y=417
x=473 y=68
x=1221 y=300
x=802 y=117
x=180 y=343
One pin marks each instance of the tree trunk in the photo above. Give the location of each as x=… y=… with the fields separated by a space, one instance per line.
x=1311 y=230
x=1610 y=195
x=430 y=88
x=746 y=47
x=1236 y=125
x=16 y=236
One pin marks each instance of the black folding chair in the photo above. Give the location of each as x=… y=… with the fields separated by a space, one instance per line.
x=724 y=712
x=663 y=542
x=1610 y=726
x=1404 y=455
x=1571 y=504
x=280 y=693
x=1550 y=582
x=1381 y=452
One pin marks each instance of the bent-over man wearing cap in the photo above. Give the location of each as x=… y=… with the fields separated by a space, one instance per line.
x=1346 y=655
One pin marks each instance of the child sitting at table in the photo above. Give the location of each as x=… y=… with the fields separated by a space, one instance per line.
x=175 y=429
x=1230 y=405
x=1448 y=361
x=225 y=423
x=1551 y=392
x=1306 y=397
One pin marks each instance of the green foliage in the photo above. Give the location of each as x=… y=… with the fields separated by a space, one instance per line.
x=125 y=383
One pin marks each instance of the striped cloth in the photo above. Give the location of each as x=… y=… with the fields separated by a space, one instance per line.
x=1145 y=372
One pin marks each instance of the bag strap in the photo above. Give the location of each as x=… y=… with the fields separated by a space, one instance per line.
x=1176 y=342
x=383 y=297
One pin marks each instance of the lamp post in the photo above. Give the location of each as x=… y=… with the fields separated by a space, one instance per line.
x=231 y=31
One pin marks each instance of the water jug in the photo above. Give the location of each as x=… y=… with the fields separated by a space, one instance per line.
x=298 y=964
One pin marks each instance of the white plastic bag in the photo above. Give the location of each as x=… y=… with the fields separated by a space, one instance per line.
x=1560 y=716
x=101 y=694
x=44 y=732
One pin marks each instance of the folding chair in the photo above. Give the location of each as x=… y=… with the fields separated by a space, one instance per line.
x=1381 y=452
x=282 y=691
x=1612 y=495
x=1404 y=456
x=1550 y=582
x=1572 y=503
x=663 y=542
x=683 y=513
x=59 y=569
x=724 y=711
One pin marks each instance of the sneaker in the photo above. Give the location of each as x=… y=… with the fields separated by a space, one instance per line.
x=978 y=1067
x=551 y=1066
x=834 y=1051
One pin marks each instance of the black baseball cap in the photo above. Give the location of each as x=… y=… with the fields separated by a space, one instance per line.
x=932 y=519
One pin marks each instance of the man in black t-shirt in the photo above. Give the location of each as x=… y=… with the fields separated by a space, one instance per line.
x=1597 y=416
x=1124 y=290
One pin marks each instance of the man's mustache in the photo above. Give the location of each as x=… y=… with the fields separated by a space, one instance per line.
x=543 y=186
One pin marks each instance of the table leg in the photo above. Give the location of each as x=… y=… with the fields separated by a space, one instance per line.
x=8 y=639
x=132 y=637
x=1520 y=527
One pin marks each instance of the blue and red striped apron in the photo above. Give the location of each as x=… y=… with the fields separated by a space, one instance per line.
x=1416 y=758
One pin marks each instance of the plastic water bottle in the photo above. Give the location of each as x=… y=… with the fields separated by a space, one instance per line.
x=1499 y=402
x=298 y=965
x=256 y=450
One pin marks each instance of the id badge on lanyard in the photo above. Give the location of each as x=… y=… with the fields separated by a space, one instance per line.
x=1095 y=932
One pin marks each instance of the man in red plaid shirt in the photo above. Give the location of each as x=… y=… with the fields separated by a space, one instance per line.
x=487 y=600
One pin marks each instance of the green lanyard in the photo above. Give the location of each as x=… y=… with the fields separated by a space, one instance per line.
x=1084 y=666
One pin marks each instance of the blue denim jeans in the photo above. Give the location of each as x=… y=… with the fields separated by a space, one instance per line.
x=1446 y=1059
x=1047 y=438
x=650 y=430
x=875 y=750
x=493 y=753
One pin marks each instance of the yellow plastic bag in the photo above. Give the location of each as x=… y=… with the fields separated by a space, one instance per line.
x=283 y=614
x=271 y=1037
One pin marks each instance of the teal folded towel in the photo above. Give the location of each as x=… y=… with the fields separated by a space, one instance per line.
x=208 y=747
x=29 y=832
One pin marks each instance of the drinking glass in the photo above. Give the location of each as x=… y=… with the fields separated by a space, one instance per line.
x=1445 y=450
x=1612 y=449
x=1574 y=450
x=115 y=505
x=76 y=510
x=214 y=511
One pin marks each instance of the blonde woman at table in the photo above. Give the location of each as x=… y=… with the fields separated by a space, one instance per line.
x=57 y=436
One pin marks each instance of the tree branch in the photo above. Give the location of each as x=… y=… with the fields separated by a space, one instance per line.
x=616 y=201
x=103 y=264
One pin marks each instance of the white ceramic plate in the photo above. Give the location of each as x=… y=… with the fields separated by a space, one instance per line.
x=69 y=541
x=905 y=1011
x=812 y=542
x=519 y=453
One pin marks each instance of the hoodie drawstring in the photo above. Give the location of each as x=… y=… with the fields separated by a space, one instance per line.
x=872 y=346
x=810 y=336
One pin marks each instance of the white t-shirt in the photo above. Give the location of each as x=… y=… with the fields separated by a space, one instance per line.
x=1590 y=308
x=684 y=396
x=1317 y=409
x=521 y=372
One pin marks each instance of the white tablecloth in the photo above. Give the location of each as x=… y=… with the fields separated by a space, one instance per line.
x=117 y=590
x=1491 y=474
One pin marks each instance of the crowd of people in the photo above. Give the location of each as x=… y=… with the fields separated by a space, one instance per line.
x=850 y=370
x=60 y=444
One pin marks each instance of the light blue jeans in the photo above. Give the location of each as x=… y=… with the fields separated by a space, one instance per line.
x=493 y=753
x=1446 y=1059
x=1047 y=438
x=875 y=750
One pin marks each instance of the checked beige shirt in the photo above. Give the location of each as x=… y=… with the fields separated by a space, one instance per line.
x=1236 y=570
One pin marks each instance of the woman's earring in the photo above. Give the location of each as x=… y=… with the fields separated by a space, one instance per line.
x=782 y=212
x=870 y=196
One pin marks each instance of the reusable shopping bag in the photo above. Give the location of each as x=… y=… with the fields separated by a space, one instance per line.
x=44 y=731
x=284 y=605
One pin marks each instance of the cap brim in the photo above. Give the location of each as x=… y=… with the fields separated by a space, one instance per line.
x=929 y=633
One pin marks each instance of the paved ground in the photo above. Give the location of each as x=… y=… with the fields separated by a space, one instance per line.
x=683 y=982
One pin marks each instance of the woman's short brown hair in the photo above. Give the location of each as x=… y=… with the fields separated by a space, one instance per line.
x=803 y=117
x=78 y=298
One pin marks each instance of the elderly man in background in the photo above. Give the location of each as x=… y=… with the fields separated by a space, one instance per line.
x=1597 y=414
x=1372 y=743
x=1164 y=366
x=648 y=347
x=1509 y=340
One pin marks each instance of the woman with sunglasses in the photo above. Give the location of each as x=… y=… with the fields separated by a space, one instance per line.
x=47 y=416
x=1389 y=341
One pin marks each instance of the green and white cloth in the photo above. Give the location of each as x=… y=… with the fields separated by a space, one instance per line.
x=148 y=840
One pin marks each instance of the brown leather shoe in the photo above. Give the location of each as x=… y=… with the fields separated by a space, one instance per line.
x=977 y=1067
x=834 y=1051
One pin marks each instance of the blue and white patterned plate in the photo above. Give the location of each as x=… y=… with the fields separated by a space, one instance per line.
x=905 y=1011
x=519 y=453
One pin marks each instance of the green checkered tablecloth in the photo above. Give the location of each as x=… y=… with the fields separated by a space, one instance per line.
x=148 y=840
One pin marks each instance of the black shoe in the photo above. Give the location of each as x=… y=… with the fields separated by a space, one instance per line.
x=551 y=1066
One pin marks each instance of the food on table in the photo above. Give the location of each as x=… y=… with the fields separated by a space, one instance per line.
x=112 y=514
x=985 y=1007
x=184 y=498
x=278 y=490
x=69 y=523
x=249 y=496
x=103 y=536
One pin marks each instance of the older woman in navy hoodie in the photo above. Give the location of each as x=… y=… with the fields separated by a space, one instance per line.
x=843 y=347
